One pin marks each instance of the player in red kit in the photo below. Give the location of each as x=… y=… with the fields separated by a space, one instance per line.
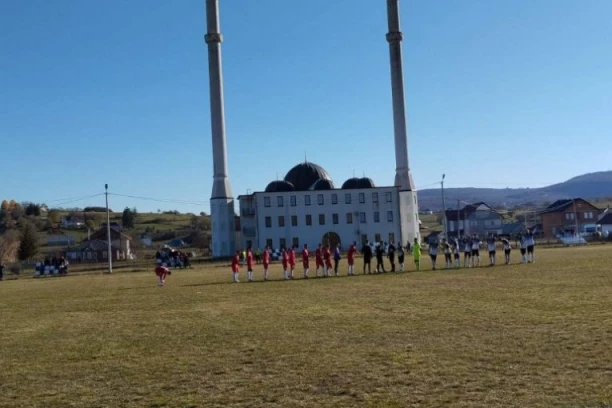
x=305 y=260
x=285 y=262
x=266 y=262
x=327 y=260
x=249 y=262
x=350 y=257
x=236 y=267
x=161 y=272
x=291 y=254
x=319 y=259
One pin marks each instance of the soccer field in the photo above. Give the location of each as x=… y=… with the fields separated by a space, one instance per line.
x=508 y=336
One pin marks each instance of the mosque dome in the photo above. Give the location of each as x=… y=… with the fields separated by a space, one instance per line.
x=279 y=186
x=305 y=175
x=366 y=182
x=322 y=184
x=351 y=184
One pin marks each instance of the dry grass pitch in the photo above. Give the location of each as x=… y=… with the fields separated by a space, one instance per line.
x=509 y=336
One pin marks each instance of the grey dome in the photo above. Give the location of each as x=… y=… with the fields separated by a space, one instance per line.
x=322 y=184
x=351 y=184
x=304 y=175
x=279 y=186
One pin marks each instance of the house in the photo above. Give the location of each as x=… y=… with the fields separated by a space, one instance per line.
x=478 y=218
x=567 y=216
x=53 y=240
x=71 y=221
x=512 y=229
x=94 y=251
x=605 y=224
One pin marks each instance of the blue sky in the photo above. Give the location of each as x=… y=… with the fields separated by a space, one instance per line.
x=499 y=94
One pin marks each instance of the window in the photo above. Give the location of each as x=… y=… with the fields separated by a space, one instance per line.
x=308 y=219
x=279 y=201
x=349 y=218
x=375 y=198
x=377 y=238
x=362 y=217
x=307 y=199
x=294 y=220
x=269 y=243
x=376 y=216
x=296 y=242
x=334 y=198
x=334 y=218
x=281 y=221
x=320 y=199
x=389 y=216
x=362 y=198
x=293 y=201
x=389 y=197
x=347 y=198
x=282 y=242
x=266 y=201
x=104 y=254
x=321 y=219
x=268 y=222
x=570 y=216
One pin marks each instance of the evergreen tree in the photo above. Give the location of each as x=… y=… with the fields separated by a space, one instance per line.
x=128 y=218
x=28 y=244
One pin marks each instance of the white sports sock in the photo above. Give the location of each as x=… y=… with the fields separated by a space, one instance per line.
x=236 y=275
x=285 y=274
x=265 y=274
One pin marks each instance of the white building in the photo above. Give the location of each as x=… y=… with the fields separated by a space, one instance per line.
x=306 y=208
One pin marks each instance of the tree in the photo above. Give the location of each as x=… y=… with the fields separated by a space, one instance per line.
x=54 y=216
x=128 y=218
x=28 y=243
x=91 y=224
x=4 y=207
x=9 y=245
x=32 y=209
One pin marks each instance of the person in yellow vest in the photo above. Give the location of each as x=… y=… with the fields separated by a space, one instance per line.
x=416 y=254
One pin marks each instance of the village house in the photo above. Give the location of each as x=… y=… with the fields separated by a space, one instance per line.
x=95 y=249
x=478 y=218
x=568 y=216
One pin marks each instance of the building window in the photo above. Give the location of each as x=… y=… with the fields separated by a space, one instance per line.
x=389 y=216
x=349 y=218
x=308 y=219
x=269 y=243
x=334 y=218
x=362 y=217
x=375 y=198
x=334 y=198
x=320 y=199
x=389 y=197
x=570 y=216
x=347 y=198
x=282 y=242
x=376 y=216
x=377 y=238
x=307 y=199
x=362 y=198
x=266 y=201
x=294 y=220
x=293 y=201
x=281 y=221
x=296 y=242
x=279 y=201
x=268 y=222
x=321 y=219
x=104 y=253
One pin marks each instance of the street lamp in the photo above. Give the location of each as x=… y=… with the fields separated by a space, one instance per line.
x=444 y=207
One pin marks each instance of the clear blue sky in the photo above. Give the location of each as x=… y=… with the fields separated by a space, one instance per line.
x=514 y=93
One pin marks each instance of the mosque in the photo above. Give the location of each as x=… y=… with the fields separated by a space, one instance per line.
x=307 y=208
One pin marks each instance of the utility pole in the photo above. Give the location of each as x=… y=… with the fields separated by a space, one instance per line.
x=576 y=217
x=108 y=233
x=444 y=207
x=459 y=218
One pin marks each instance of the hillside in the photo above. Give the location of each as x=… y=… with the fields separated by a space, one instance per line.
x=588 y=186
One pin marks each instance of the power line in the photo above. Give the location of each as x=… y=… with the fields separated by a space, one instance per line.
x=162 y=200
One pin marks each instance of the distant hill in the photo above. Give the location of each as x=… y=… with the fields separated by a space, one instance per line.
x=588 y=186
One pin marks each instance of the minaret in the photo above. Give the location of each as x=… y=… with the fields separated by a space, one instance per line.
x=403 y=177
x=221 y=200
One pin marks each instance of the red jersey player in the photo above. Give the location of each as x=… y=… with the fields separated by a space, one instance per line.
x=161 y=272
x=291 y=254
x=350 y=257
x=319 y=259
x=236 y=267
x=266 y=262
x=285 y=262
x=305 y=260
x=249 y=262
x=327 y=260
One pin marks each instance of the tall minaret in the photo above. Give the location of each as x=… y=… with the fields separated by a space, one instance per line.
x=403 y=177
x=221 y=200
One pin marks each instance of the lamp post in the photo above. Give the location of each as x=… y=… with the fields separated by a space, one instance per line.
x=108 y=233
x=444 y=207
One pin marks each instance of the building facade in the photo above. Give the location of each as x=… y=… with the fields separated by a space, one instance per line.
x=569 y=216
x=288 y=213
x=476 y=218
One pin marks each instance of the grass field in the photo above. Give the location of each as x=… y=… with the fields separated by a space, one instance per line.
x=535 y=335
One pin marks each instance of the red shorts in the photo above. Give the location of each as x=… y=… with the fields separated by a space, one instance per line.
x=292 y=265
x=328 y=264
x=265 y=265
x=285 y=264
x=351 y=262
x=319 y=263
x=306 y=265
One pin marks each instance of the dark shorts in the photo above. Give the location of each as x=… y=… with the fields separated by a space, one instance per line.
x=530 y=249
x=448 y=257
x=457 y=256
x=523 y=250
x=467 y=254
x=507 y=251
x=491 y=253
x=433 y=257
x=475 y=252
